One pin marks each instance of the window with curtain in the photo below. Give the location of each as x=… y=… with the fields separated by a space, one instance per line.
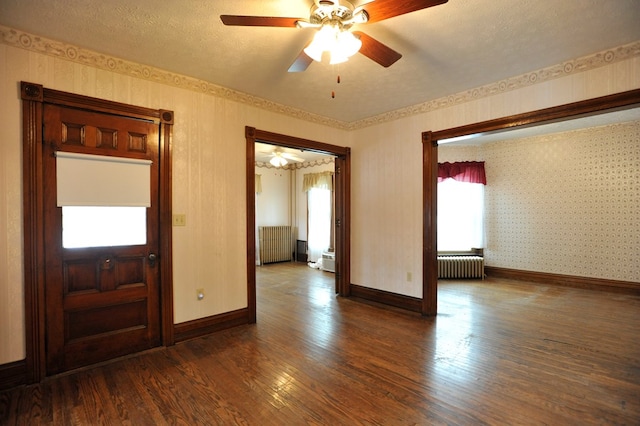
x=319 y=189
x=461 y=205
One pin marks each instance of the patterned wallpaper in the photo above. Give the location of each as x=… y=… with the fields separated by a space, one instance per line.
x=565 y=203
x=209 y=162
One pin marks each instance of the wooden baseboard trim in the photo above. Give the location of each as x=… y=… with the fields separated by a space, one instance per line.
x=203 y=326
x=386 y=298
x=627 y=287
x=13 y=374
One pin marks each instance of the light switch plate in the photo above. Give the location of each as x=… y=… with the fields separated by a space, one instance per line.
x=179 y=220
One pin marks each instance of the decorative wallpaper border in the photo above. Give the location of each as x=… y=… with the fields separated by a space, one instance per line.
x=582 y=64
x=270 y=166
x=314 y=163
x=21 y=39
x=290 y=166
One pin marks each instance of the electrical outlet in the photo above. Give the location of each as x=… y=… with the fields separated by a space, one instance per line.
x=179 y=219
x=409 y=276
x=200 y=293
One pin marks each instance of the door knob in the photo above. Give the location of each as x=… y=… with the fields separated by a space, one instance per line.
x=152 y=259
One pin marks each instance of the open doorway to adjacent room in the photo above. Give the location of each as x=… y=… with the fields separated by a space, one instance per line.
x=297 y=192
x=295 y=206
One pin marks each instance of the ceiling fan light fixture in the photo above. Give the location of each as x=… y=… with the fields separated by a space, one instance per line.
x=314 y=51
x=278 y=161
x=359 y=17
x=347 y=44
x=323 y=40
x=326 y=3
x=340 y=43
x=337 y=59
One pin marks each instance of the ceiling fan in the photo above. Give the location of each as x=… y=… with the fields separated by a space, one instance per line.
x=279 y=158
x=334 y=20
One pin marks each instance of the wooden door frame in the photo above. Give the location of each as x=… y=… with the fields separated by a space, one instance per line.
x=34 y=96
x=343 y=206
x=609 y=103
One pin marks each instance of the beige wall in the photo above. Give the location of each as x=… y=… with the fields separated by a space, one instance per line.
x=209 y=169
x=273 y=204
x=208 y=182
x=566 y=203
x=387 y=165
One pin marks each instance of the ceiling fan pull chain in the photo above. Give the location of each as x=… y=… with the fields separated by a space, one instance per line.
x=333 y=94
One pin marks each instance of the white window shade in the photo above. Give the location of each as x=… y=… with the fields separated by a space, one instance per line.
x=97 y=180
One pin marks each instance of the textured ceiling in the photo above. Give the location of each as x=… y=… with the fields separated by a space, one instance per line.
x=264 y=151
x=597 y=120
x=446 y=49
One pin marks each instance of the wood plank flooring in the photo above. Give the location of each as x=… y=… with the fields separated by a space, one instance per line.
x=499 y=352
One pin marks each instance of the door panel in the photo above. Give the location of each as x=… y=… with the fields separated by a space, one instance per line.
x=101 y=302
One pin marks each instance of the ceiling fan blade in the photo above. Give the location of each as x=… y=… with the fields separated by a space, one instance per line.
x=385 y=9
x=301 y=63
x=291 y=157
x=376 y=51
x=259 y=21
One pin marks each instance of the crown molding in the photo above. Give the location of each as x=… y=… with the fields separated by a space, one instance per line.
x=60 y=50
x=34 y=43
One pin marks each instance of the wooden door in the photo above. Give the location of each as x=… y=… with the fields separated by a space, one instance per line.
x=101 y=301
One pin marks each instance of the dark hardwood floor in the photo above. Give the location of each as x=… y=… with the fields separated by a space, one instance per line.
x=499 y=352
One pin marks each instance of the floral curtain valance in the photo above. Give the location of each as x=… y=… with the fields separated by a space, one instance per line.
x=323 y=180
x=463 y=171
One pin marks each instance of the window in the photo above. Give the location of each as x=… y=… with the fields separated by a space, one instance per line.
x=319 y=189
x=98 y=180
x=461 y=206
x=90 y=226
x=460 y=215
x=104 y=199
x=319 y=229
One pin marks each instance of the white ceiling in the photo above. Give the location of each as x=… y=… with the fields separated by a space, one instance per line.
x=602 y=119
x=446 y=49
x=264 y=152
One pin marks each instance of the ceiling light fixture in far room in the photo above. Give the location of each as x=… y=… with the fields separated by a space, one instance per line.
x=277 y=160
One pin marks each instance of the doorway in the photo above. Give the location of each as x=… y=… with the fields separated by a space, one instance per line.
x=88 y=302
x=342 y=206
x=294 y=189
x=528 y=120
